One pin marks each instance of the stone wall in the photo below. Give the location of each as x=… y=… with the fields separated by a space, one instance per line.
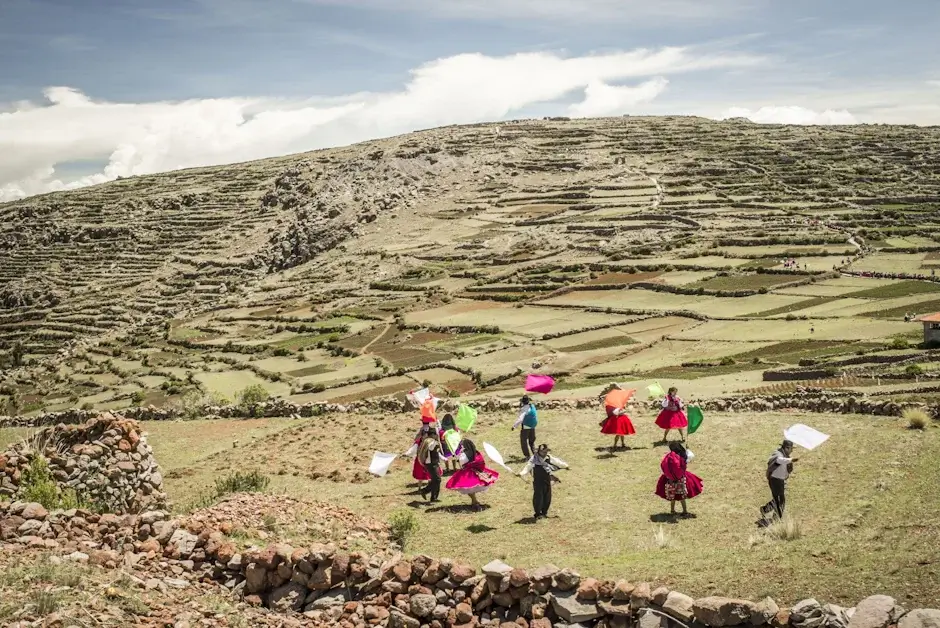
x=808 y=400
x=105 y=460
x=331 y=586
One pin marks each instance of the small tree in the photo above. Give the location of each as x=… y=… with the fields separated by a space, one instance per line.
x=17 y=353
x=253 y=395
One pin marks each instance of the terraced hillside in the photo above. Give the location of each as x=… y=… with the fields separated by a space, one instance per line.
x=720 y=255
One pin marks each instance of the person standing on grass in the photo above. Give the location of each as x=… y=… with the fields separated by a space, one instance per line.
x=617 y=423
x=418 y=472
x=779 y=468
x=543 y=475
x=473 y=477
x=676 y=484
x=672 y=417
x=528 y=418
x=429 y=453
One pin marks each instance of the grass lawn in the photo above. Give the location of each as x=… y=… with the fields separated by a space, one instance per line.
x=924 y=307
x=863 y=499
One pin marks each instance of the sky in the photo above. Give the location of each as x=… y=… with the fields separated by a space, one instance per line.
x=97 y=89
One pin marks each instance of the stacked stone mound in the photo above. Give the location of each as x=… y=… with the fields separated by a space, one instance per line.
x=106 y=461
x=331 y=586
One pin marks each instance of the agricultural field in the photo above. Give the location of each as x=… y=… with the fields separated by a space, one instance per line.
x=464 y=262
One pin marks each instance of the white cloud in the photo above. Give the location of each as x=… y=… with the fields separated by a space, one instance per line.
x=135 y=139
x=601 y=99
x=791 y=115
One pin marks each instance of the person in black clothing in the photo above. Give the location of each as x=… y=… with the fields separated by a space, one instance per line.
x=779 y=468
x=429 y=453
x=543 y=475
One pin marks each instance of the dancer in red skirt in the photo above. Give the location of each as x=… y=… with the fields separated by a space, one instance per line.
x=418 y=471
x=672 y=417
x=617 y=423
x=676 y=484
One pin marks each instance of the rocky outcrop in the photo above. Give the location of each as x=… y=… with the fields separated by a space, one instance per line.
x=106 y=461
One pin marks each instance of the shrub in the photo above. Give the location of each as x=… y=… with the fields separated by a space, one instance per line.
x=914 y=369
x=784 y=529
x=238 y=482
x=899 y=343
x=727 y=361
x=253 y=395
x=138 y=396
x=403 y=525
x=38 y=485
x=916 y=418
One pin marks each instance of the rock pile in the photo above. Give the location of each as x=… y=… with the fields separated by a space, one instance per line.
x=106 y=461
x=331 y=586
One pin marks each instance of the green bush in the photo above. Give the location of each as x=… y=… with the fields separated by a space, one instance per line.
x=37 y=485
x=914 y=369
x=403 y=525
x=900 y=343
x=253 y=395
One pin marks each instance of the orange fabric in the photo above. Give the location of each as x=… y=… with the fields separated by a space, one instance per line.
x=618 y=398
x=427 y=411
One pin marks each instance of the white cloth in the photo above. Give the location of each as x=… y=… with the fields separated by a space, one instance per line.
x=495 y=456
x=380 y=463
x=805 y=436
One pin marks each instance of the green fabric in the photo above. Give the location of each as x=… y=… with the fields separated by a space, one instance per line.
x=452 y=438
x=695 y=419
x=466 y=417
x=655 y=391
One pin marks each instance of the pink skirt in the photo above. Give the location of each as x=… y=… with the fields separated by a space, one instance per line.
x=467 y=481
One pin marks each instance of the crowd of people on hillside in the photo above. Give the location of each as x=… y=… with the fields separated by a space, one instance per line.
x=441 y=449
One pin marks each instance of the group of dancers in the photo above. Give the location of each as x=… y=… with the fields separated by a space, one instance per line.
x=442 y=443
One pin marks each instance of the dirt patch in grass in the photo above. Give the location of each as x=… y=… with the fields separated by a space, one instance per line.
x=310 y=370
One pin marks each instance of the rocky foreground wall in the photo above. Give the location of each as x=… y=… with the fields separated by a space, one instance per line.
x=805 y=400
x=105 y=460
x=333 y=587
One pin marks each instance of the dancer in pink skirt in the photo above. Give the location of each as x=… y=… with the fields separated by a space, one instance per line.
x=473 y=477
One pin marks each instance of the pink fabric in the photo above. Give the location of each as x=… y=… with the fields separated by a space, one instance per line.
x=469 y=476
x=539 y=383
x=418 y=471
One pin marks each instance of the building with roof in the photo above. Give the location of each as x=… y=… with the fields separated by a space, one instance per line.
x=931 y=328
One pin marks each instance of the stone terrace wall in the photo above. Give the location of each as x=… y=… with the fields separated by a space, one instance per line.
x=333 y=587
x=105 y=460
x=807 y=400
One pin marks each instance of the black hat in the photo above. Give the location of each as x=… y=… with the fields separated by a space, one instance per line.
x=524 y=401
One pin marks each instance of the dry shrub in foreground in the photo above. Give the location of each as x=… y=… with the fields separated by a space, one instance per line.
x=784 y=529
x=916 y=418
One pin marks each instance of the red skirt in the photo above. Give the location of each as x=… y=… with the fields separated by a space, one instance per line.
x=618 y=426
x=672 y=419
x=688 y=487
x=418 y=471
